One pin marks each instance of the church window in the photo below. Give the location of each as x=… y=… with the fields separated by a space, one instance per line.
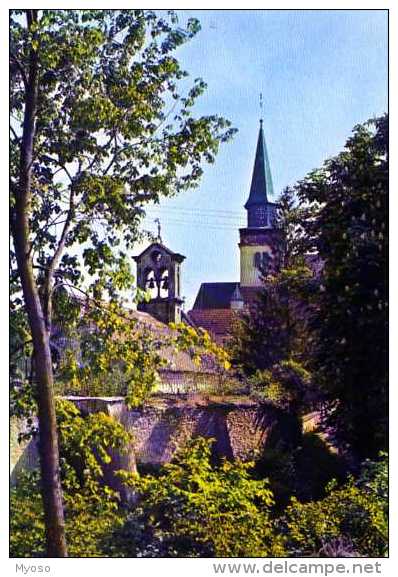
x=257 y=260
x=266 y=261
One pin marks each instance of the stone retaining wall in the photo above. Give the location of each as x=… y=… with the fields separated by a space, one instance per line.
x=240 y=427
x=163 y=425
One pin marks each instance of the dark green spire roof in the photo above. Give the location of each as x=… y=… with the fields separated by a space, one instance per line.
x=261 y=186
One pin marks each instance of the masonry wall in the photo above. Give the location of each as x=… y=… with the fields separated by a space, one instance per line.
x=24 y=455
x=240 y=428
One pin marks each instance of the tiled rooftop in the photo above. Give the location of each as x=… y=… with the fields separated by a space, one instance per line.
x=218 y=322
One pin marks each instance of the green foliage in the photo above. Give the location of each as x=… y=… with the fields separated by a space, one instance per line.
x=88 y=519
x=22 y=401
x=286 y=384
x=114 y=355
x=316 y=464
x=354 y=512
x=275 y=328
x=91 y=507
x=193 y=509
x=348 y=229
x=85 y=445
x=26 y=518
x=115 y=130
x=22 y=395
x=297 y=464
x=199 y=342
x=264 y=386
x=290 y=216
x=374 y=479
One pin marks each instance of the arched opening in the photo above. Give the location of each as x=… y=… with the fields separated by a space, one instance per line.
x=150 y=282
x=163 y=283
x=257 y=260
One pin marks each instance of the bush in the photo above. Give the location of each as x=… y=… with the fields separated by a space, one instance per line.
x=355 y=513
x=287 y=384
x=91 y=507
x=193 y=509
x=89 y=518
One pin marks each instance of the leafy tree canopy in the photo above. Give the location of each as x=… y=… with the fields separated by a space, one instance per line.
x=348 y=229
x=115 y=129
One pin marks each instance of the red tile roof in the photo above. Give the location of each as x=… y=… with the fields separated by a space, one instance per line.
x=218 y=322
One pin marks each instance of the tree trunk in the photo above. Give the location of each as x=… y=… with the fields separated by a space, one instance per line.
x=48 y=440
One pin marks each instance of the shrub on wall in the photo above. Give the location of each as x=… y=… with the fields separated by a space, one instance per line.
x=287 y=384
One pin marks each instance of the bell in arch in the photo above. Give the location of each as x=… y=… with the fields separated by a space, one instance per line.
x=165 y=283
x=151 y=283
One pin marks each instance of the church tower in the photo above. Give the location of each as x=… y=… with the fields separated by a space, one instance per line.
x=159 y=273
x=260 y=241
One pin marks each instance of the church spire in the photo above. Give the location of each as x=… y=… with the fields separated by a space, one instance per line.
x=261 y=186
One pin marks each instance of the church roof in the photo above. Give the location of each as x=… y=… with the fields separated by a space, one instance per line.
x=214 y=295
x=178 y=361
x=261 y=186
x=217 y=322
x=175 y=255
x=218 y=295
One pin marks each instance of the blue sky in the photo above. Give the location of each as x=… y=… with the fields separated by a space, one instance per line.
x=320 y=72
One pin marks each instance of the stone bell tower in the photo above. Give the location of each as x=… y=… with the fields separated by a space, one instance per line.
x=260 y=242
x=159 y=273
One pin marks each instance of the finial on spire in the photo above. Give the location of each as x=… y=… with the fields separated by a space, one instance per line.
x=261 y=185
x=159 y=238
x=261 y=108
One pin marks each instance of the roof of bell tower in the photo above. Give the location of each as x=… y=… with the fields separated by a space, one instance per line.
x=261 y=186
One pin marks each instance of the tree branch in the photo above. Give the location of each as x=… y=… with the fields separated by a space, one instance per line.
x=100 y=305
x=47 y=289
x=62 y=167
x=17 y=138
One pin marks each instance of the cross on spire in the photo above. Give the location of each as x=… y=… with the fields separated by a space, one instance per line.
x=261 y=108
x=159 y=229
